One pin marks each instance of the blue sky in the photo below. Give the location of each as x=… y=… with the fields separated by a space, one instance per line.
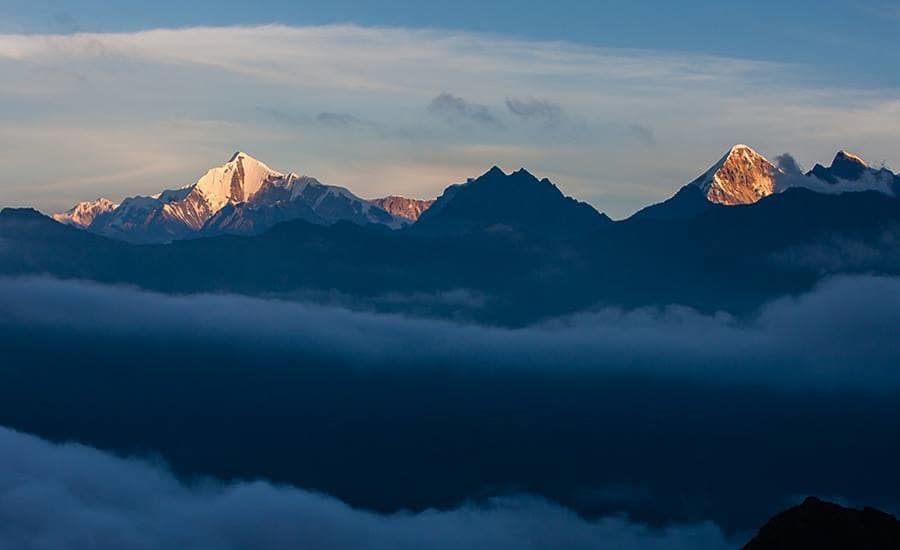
x=619 y=102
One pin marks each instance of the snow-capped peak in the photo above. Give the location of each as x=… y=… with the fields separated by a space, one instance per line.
x=742 y=176
x=235 y=181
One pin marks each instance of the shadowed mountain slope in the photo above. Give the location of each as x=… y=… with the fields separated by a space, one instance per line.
x=514 y=204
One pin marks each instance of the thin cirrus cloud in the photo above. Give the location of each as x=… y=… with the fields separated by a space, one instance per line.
x=192 y=96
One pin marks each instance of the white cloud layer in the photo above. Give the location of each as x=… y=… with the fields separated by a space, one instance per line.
x=840 y=335
x=73 y=497
x=122 y=113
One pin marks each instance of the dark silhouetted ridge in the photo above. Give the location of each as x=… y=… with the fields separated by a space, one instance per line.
x=512 y=204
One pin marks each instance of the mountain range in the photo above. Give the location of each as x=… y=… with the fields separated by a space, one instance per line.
x=243 y=196
x=519 y=249
x=246 y=197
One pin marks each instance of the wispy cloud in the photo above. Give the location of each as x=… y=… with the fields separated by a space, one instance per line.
x=456 y=109
x=541 y=109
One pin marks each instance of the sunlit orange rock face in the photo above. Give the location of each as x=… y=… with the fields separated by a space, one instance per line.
x=403 y=207
x=743 y=176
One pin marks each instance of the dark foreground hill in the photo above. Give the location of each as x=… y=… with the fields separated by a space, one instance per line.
x=819 y=525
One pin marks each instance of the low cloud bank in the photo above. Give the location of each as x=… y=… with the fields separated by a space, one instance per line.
x=72 y=496
x=668 y=415
x=841 y=334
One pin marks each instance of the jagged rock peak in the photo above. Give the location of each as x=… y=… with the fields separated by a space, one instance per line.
x=496 y=172
x=742 y=176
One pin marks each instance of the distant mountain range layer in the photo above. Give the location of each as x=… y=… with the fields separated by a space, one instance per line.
x=517 y=247
x=246 y=197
